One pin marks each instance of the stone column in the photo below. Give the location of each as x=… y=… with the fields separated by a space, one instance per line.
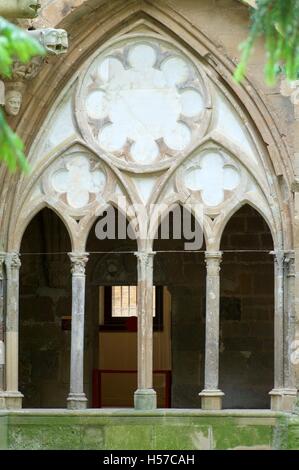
x=211 y=396
x=291 y=346
x=77 y=398
x=283 y=396
x=276 y=393
x=145 y=396
x=2 y=345
x=13 y=397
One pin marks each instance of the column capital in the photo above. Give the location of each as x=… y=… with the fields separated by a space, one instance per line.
x=213 y=260
x=279 y=256
x=12 y=260
x=78 y=262
x=145 y=256
x=289 y=261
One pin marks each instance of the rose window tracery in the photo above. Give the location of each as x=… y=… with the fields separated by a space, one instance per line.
x=143 y=102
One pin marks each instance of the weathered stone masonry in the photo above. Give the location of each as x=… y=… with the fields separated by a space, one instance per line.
x=202 y=140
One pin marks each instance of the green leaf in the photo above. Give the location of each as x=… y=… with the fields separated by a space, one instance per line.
x=278 y=22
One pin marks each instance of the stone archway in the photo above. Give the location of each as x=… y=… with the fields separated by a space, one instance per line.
x=45 y=312
x=111 y=322
x=179 y=266
x=212 y=143
x=247 y=311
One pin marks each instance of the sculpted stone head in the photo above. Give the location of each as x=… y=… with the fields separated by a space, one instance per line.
x=13 y=102
x=19 y=8
x=55 y=41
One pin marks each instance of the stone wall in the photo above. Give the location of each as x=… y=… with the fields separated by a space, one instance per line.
x=132 y=430
x=247 y=313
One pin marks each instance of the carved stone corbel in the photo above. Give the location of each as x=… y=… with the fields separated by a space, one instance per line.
x=55 y=42
x=13 y=97
x=15 y=86
x=19 y=8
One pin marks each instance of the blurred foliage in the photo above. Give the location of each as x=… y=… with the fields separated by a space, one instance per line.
x=278 y=22
x=14 y=44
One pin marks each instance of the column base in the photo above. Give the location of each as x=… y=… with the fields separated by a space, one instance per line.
x=77 y=401
x=211 y=399
x=145 y=399
x=283 y=399
x=11 y=400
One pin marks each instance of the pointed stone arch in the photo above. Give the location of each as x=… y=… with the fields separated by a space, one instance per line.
x=162 y=18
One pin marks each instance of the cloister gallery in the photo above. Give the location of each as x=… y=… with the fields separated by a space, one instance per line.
x=141 y=340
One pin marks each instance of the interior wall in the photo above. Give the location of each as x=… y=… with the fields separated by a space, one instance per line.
x=115 y=350
x=118 y=351
x=247 y=312
x=45 y=297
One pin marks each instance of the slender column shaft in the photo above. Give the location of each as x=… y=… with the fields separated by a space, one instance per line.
x=283 y=395
x=278 y=319
x=290 y=323
x=77 y=398
x=211 y=395
x=213 y=261
x=145 y=396
x=13 y=265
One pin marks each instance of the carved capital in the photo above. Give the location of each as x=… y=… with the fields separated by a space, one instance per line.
x=145 y=258
x=289 y=261
x=12 y=261
x=27 y=71
x=213 y=260
x=55 y=41
x=279 y=258
x=78 y=262
x=15 y=87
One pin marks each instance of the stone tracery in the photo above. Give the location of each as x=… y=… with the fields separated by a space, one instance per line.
x=108 y=110
x=77 y=181
x=144 y=101
x=212 y=177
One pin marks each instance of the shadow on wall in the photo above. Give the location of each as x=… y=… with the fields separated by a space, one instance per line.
x=45 y=298
x=247 y=312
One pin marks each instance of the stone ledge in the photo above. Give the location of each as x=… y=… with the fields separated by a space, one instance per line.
x=131 y=412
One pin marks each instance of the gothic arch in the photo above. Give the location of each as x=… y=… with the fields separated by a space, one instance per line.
x=160 y=19
x=111 y=24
